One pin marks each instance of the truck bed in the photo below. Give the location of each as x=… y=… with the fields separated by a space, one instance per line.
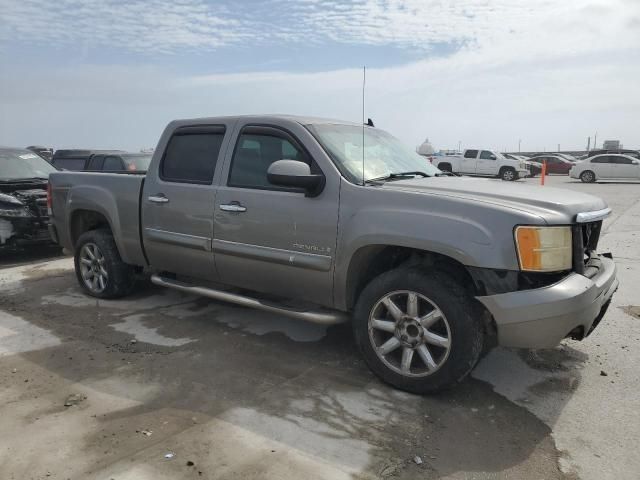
x=116 y=196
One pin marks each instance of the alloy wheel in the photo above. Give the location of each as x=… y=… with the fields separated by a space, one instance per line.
x=409 y=333
x=92 y=268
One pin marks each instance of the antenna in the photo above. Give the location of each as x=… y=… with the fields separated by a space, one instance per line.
x=364 y=82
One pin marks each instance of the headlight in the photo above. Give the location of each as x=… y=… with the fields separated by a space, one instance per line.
x=544 y=249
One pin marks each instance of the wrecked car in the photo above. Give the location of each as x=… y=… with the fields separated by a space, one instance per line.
x=24 y=177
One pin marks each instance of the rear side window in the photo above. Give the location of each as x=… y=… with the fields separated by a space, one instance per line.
x=471 y=154
x=95 y=163
x=112 y=164
x=622 y=160
x=192 y=154
x=256 y=150
x=70 y=163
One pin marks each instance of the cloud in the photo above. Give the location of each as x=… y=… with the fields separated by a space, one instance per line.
x=551 y=76
x=173 y=26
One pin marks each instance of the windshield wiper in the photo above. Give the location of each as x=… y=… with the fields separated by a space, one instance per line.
x=447 y=174
x=397 y=175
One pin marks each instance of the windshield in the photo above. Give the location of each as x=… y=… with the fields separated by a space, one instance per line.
x=21 y=164
x=137 y=162
x=383 y=153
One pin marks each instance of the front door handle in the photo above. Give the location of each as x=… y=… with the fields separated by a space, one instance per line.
x=233 y=207
x=159 y=198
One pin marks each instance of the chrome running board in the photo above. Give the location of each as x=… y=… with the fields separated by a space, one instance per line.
x=320 y=316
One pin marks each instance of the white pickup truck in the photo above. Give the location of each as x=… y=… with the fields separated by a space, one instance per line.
x=485 y=163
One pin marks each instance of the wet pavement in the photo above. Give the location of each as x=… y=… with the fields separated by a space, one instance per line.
x=236 y=393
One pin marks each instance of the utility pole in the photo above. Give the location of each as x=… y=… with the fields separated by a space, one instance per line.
x=459 y=145
x=558 y=148
x=519 y=143
x=595 y=140
x=588 y=144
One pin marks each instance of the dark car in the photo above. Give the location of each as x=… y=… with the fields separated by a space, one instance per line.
x=119 y=162
x=24 y=216
x=75 y=159
x=101 y=160
x=555 y=163
x=44 y=152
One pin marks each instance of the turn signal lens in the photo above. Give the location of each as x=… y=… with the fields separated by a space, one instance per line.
x=544 y=249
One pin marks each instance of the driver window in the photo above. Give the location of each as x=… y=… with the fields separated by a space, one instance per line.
x=487 y=155
x=253 y=156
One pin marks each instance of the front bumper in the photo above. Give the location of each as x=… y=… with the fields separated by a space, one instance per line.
x=542 y=317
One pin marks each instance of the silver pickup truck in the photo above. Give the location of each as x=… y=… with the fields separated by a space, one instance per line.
x=328 y=221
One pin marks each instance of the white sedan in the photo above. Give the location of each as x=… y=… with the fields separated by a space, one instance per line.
x=606 y=167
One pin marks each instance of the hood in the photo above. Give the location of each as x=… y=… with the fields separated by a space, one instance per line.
x=554 y=205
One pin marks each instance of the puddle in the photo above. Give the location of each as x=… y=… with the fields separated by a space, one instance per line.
x=18 y=335
x=11 y=278
x=261 y=323
x=133 y=325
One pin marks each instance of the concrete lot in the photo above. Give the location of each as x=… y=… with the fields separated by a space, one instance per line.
x=235 y=393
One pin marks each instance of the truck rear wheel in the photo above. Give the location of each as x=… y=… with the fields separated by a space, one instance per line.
x=99 y=268
x=417 y=331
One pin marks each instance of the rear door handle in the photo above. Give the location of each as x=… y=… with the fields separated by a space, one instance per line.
x=233 y=207
x=159 y=198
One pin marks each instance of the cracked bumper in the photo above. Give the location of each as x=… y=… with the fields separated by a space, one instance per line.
x=541 y=318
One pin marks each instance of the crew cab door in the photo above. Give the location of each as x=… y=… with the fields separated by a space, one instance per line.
x=469 y=161
x=487 y=163
x=268 y=238
x=178 y=199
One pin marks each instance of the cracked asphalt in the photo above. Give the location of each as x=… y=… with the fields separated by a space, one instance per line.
x=230 y=393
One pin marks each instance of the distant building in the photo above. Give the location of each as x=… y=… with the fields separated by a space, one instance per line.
x=611 y=145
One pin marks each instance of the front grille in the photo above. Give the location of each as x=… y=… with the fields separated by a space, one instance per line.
x=585 y=244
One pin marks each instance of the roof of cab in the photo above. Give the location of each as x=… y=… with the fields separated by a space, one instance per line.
x=301 y=119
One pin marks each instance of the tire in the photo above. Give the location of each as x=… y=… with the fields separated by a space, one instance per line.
x=508 y=174
x=435 y=292
x=118 y=278
x=445 y=167
x=587 y=176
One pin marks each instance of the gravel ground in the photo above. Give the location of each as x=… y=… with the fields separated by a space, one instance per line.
x=166 y=386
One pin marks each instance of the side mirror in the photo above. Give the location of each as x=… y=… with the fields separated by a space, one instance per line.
x=635 y=162
x=493 y=157
x=296 y=174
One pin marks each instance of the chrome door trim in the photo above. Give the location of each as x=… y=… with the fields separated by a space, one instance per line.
x=158 y=199
x=180 y=239
x=233 y=207
x=311 y=261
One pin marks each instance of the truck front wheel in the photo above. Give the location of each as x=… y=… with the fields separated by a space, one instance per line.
x=508 y=174
x=99 y=268
x=417 y=330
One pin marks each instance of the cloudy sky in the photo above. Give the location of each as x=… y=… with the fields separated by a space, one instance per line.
x=111 y=73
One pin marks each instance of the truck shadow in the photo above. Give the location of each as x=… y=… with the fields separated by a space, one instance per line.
x=313 y=396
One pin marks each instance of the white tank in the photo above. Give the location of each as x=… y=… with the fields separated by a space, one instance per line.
x=426 y=149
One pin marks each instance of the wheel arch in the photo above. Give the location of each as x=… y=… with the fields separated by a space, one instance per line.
x=372 y=260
